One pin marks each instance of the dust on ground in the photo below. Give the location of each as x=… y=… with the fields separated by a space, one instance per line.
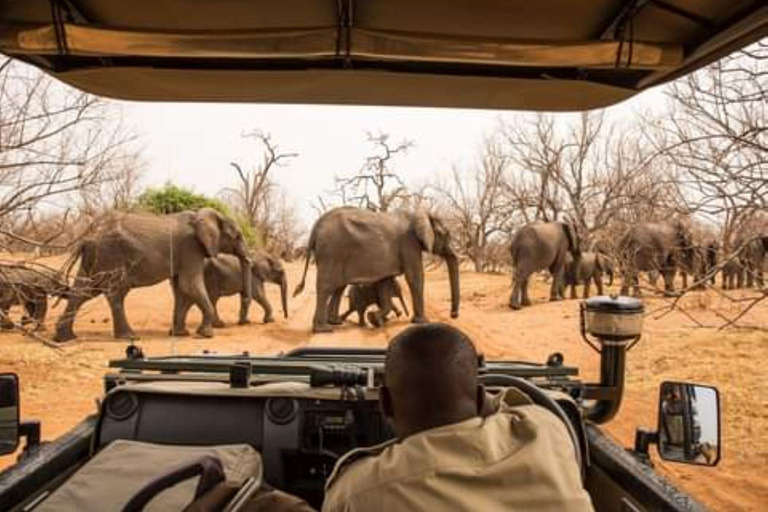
x=60 y=387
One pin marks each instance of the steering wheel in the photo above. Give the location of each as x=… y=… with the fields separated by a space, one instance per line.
x=540 y=398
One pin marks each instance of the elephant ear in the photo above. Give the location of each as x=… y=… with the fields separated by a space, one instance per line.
x=573 y=239
x=422 y=228
x=208 y=231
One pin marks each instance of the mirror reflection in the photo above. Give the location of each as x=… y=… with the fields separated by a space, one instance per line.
x=689 y=426
x=9 y=413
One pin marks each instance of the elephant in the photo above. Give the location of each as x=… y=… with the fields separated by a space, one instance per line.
x=753 y=260
x=361 y=296
x=538 y=246
x=733 y=274
x=589 y=268
x=359 y=246
x=223 y=277
x=30 y=287
x=132 y=250
x=664 y=246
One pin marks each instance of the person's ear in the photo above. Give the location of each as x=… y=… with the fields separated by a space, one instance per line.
x=385 y=401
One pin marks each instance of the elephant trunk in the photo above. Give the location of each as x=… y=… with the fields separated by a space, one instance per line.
x=245 y=265
x=284 y=294
x=453 y=274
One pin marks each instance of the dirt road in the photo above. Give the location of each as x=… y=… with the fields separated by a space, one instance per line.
x=60 y=387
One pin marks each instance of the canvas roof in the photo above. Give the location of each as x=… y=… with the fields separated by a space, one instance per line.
x=539 y=55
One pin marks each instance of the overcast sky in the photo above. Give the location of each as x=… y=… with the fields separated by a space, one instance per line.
x=192 y=144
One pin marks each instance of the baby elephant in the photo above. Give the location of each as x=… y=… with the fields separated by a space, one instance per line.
x=28 y=286
x=223 y=278
x=587 y=269
x=382 y=293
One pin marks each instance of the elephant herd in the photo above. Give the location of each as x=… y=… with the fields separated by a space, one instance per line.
x=204 y=257
x=663 y=248
x=202 y=253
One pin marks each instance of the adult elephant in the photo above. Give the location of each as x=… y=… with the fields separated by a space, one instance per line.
x=663 y=247
x=357 y=246
x=539 y=246
x=223 y=277
x=132 y=250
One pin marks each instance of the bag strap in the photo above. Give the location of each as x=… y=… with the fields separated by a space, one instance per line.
x=207 y=467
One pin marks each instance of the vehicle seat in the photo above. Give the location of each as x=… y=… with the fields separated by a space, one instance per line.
x=115 y=474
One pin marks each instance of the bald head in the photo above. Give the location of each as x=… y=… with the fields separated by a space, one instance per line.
x=430 y=378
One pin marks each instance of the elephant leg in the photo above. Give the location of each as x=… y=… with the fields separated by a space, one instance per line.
x=525 y=298
x=627 y=280
x=384 y=302
x=218 y=323
x=587 y=285
x=260 y=296
x=334 y=305
x=83 y=293
x=572 y=286
x=182 y=306
x=29 y=311
x=557 y=277
x=120 y=327
x=346 y=314
x=414 y=276
x=519 y=297
x=598 y=284
x=192 y=288
x=361 y=317
x=514 y=296
x=40 y=310
x=180 y=309
x=684 y=275
x=669 y=281
x=322 y=298
x=245 y=306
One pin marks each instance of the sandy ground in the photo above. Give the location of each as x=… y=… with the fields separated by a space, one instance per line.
x=60 y=387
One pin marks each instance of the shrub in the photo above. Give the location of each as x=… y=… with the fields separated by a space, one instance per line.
x=171 y=198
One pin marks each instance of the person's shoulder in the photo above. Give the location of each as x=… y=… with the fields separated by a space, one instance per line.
x=353 y=461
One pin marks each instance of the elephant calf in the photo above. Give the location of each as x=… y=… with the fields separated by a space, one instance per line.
x=733 y=274
x=587 y=269
x=223 y=278
x=29 y=287
x=382 y=293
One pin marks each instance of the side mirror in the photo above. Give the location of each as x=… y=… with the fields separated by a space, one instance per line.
x=689 y=423
x=9 y=413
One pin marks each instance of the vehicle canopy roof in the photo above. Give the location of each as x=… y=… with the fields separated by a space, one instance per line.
x=544 y=55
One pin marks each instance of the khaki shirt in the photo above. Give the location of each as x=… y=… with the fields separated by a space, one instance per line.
x=520 y=458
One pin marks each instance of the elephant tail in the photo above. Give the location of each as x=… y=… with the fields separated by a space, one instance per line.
x=310 y=250
x=69 y=264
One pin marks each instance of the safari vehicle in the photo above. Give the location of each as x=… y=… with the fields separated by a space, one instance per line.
x=300 y=411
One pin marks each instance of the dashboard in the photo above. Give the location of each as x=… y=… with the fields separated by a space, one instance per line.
x=299 y=437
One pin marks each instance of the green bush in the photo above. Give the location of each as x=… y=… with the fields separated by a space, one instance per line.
x=171 y=198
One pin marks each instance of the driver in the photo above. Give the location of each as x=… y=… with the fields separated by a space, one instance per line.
x=446 y=456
